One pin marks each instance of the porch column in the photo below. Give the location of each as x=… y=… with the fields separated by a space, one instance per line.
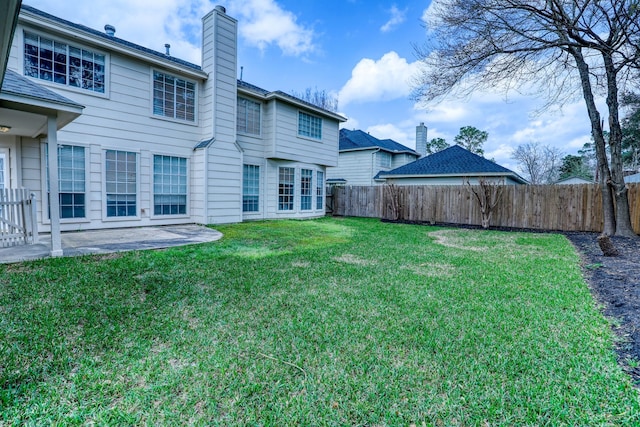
x=54 y=198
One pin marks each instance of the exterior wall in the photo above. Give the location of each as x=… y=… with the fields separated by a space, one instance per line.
x=120 y=119
x=355 y=166
x=445 y=181
x=288 y=145
x=271 y=191
x=402 y=159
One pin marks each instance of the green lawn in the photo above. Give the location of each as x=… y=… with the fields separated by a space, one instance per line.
x=324 y=322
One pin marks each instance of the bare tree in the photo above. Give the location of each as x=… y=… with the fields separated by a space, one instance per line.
x=487 y=193
x=562 y=49
x=539 y=163
x=319 y=98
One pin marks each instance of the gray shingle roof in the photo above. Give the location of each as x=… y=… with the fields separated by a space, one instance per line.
x=454 y=160
x=357 y=139
x=16 y=84
x=104 y=36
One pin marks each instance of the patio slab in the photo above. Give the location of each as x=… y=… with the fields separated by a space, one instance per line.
x=113 y=240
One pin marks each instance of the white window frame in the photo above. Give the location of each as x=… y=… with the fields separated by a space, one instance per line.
x=258 y=170
x=173 y=118
x=107 y=63
x=310 y=134
x=292 y=193
x=153 y=188
x=104 y=185
x=245 y=130
x=306 y=193
x=385 y=159
x=44 y=179
x=320 y=184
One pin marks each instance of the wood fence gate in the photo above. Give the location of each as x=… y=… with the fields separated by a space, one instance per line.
x=18 y=221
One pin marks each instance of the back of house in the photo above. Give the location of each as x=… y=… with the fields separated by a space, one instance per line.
x=144 y=138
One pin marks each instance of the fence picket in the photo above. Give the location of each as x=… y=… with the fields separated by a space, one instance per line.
x=543 y=207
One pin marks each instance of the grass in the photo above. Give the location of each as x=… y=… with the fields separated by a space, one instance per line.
x=322 y=322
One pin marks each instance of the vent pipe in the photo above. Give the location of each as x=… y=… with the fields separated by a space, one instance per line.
x=167 y=46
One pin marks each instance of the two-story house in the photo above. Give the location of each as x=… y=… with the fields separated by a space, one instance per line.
x=362 y=156
x=110 y=134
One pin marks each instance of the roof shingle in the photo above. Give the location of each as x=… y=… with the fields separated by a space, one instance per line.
x=454 y=160
x=357 y=139
x=16 y=84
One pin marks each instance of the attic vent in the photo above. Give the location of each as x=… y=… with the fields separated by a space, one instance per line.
x=110 y=30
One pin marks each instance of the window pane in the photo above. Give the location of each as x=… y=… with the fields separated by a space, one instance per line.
x=286 y=188
x=173 y=97
x=51 y=60
x=251 y=188
x=169 y=185
x=121 y=183
x=309 y=126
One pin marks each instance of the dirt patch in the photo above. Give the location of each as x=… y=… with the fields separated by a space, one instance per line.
x=352 y=259
x=615 y=283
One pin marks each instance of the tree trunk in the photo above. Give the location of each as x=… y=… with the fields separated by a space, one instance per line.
x=598 y=138
x=617 y=184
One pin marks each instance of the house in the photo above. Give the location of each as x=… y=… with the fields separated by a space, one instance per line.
x=573 y=180
x=362 y=156
x=454 y=165
x=145 y=138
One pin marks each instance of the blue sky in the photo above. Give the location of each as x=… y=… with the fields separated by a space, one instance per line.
x=360 y=50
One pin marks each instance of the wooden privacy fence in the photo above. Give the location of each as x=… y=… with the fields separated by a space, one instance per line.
x=542 y=207
x=18 y=223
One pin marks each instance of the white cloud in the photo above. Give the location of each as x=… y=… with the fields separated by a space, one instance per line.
x=382 y=80
x=397 y=17
x=263 y=23
x=391 y=131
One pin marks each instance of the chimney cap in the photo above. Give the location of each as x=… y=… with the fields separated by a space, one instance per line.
x=220 y=8
x=110 y=29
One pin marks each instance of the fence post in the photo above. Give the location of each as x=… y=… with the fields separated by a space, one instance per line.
x=34 y=218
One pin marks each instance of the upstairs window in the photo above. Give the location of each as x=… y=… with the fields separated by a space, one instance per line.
x=173 y=97
x=309 y=126
x=385 y=160
x=248 y=116
x=57 y=62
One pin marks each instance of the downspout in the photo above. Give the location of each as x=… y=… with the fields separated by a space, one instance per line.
x=373 y=162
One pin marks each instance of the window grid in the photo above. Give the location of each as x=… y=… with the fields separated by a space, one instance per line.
x=248 y=116
x=286 y=188
x=173 y=97
x=385 y=160
x=121 y=183
x=309 y=126
x=319 y=190
x=306 y=179
x=251 y=188
x=71 y=180
x=169 y=185
x=49 y=60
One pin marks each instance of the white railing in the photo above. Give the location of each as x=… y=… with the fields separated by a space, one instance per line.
x=18 y=220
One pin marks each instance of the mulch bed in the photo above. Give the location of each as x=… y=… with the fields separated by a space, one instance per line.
x=615 y=283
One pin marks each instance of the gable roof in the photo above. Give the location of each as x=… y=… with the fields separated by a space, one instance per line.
x=452 y=161
x=353 y=140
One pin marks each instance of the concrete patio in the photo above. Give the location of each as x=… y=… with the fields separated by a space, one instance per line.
x=113 y=240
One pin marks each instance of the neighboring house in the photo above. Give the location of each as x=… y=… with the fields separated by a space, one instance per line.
x=572 y=180
x=452 y=166
x=145 y=138
x=362 y=156
x=632 y=178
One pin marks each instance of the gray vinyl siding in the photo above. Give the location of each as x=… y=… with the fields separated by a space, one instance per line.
x=354 y=166
x=289 y=146
x=402 y=159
